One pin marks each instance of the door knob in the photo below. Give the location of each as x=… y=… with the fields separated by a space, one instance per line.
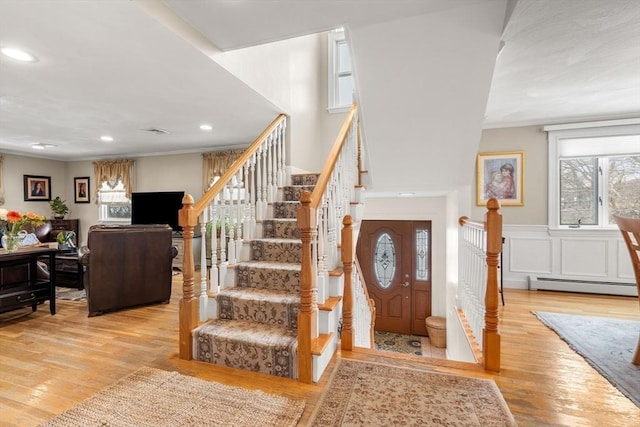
x=406 y=284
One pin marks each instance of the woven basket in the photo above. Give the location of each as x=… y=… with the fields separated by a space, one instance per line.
x=437 y=330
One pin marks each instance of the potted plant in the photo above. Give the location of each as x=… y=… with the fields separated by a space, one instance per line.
x=65 y=240
x=58 y=207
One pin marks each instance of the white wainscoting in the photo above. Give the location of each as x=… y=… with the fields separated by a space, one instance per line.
x=570 y=260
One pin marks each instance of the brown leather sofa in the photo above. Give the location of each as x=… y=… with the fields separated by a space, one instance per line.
x=127 y=266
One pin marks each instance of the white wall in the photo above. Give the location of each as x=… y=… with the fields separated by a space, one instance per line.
x=293 y=75
x=15 y=167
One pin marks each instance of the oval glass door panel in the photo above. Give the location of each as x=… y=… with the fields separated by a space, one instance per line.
x=385 y=260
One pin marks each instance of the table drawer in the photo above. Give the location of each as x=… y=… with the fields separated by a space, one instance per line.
x=24 y=297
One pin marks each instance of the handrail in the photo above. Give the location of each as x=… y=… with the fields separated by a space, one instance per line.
x=266 y=156
x=370 y=302
x=207 y=198
x=332 y=158
x=492 y=246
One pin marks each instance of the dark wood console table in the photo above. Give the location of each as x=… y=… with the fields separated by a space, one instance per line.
x=19 y=282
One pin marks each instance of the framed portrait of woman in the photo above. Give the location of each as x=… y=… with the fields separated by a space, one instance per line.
x=500 y=175
x=37 y=188
x=81 y=189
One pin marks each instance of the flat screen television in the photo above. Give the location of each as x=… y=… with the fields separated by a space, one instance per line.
x=160 y=207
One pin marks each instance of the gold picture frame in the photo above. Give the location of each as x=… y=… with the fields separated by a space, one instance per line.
x=500 y=175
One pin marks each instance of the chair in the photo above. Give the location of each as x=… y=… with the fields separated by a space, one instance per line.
x=630 y=228
x=127 y=266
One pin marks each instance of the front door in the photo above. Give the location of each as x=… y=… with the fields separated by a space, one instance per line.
x=395 y=257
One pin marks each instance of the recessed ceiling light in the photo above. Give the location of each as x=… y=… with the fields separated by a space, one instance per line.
x=106 y=138
x=206 y=127
x=18 y=54
x=40 y=146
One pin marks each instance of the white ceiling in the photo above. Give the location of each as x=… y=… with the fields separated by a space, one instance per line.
x=110 y=67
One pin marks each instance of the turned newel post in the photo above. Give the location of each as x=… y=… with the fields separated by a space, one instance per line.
x=347 y=337
x=188 y=308
x=491 y=338
x=307 y=316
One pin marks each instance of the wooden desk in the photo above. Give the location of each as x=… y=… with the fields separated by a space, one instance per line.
x=19 y=282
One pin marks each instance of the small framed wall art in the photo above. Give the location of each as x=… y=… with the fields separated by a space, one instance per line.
x=501 y=175
x=81 y=189
x=37 y=188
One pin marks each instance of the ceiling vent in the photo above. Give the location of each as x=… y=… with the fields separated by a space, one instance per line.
x=158 y=131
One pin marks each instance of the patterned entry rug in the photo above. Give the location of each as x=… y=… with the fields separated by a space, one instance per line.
x=71 y=294
x=389 y=341
x=155 y=398
x=371 y=394
x=606 y=344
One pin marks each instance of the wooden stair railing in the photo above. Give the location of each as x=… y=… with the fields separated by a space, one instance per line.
x=358 y=309
x=478 y=287
x=260 y=169
x=319 y=219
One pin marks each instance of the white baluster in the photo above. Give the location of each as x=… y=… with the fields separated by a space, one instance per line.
x=239 y=216
x=259 y=187
x=203 y=299
x=231 y=246
x=214 y=273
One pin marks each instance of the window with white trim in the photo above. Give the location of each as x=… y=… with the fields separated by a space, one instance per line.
x=594 y=173
x=341 y=83
x=113 y=204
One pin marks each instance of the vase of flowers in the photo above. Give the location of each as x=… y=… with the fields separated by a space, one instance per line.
x=12 y=222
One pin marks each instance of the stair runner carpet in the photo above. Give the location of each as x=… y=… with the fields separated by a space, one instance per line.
x=257 y=325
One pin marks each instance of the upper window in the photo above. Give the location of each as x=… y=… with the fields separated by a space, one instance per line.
x=594 y=173
x=341 y=86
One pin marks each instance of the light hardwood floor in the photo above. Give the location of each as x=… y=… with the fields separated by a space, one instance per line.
x=50 y=363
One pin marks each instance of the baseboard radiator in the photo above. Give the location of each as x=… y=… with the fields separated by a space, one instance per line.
x=582 y=286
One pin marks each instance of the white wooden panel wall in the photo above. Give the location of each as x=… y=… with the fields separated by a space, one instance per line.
x=598 y=255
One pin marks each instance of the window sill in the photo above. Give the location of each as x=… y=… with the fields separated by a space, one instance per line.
x=584 y=231
x=336 y=110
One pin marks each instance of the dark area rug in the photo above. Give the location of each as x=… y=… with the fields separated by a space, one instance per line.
x=70 y=294
x=606 y=344
x=389 y=341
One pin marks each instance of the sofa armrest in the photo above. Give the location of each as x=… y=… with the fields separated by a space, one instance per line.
x=174 y=252
x=83 y=255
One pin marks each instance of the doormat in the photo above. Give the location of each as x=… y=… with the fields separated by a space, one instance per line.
x=390 y=341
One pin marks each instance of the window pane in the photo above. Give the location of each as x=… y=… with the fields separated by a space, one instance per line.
x=344 y=58
x=345 y=90
x=422 y=253
x=578 y=191
x=624 y=187
x=385 y=260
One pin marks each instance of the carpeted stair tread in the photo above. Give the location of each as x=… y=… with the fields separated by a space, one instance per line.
x=292 y=193
x=276 y=250
x=285 y=209
x=252 y=346
x=259 y=305
x=304 y=178
x=268 y=275
x=282 y=228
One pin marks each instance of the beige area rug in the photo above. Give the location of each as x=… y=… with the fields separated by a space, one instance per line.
x=371 y=394
x=152 y=397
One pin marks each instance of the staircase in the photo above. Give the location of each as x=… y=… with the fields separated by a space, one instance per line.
x=256 y=328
